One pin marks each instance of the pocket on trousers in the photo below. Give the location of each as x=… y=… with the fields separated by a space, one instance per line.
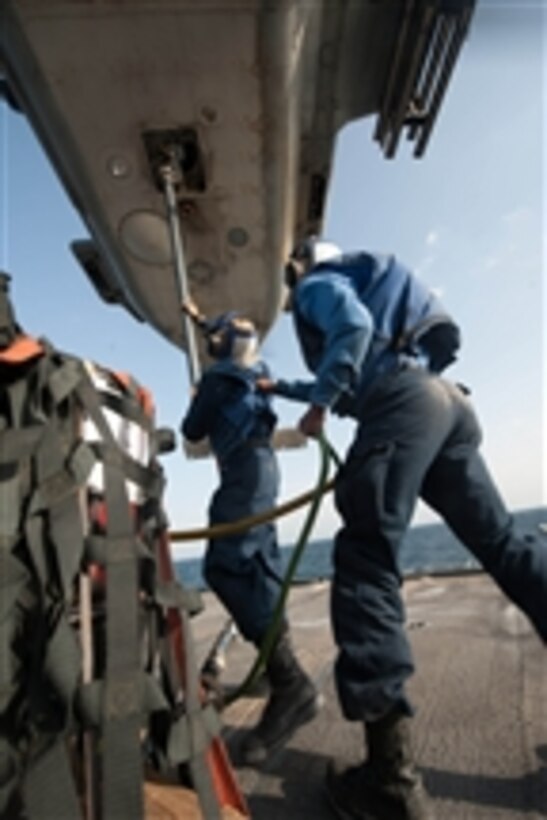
x=360 y=492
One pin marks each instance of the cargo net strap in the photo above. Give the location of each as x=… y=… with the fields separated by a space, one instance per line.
x=91 y=698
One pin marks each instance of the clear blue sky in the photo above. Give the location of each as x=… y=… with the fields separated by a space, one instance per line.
x=469 y=218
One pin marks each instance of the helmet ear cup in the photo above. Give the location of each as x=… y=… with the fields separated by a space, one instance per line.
x=219 y=344
x=222 y=333
x=304 y=250
x=291 y=274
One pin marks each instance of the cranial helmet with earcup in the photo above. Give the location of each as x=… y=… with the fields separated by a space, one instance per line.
x=310 y=252
x=225 y=332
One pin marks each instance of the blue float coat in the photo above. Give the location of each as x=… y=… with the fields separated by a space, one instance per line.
x=347 y=341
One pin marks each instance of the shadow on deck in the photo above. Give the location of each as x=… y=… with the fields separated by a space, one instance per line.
x=480 y=691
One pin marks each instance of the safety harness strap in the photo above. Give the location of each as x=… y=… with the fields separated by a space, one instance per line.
x=34 y=529
x=191 y=735
x=15 y=598
x=48 y=788
x=65 y=378
x=16 y=445
x=63 y=659
x=96 y=549
x=133 y=471
x=126 y=407
x=123 y=695
x=172 y=595
x=9 y=504
x=185 y=743
x=198 y=737
x=16 y=394
x=90 y=700
x=45 y=545
x=61 y=469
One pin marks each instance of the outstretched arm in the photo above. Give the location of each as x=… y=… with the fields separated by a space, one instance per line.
x=329 y=304
x=297 y=391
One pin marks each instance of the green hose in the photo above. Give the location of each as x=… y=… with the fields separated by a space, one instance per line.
x=327 y=453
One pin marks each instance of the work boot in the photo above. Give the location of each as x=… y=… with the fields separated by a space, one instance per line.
x=210 y=679
x=385 y=787
x=293 y=701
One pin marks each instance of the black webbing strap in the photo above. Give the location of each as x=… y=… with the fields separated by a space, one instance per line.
x=126 y=407
x=91 y=697
x=64 y=379
x=9 y=776
x=123 y=697
x=35 y=530
x=199 y=739
x=54 y=537
x=151 y=482
x=17 y=589
x=16 y=597
x=62 y=663
x=17 y=394
x=16 y=445
x=10 y=512
x=96 y=549
x=48 y=787
x=62 y=468
x=171 y=594
x=13 y=577
x=182 y=744
x=45 y=497
x=122 y=705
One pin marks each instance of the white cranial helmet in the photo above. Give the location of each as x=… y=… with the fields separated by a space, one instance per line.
x=314 y=251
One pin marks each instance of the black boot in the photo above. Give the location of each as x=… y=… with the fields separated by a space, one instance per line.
x=293 y=701
x=385 y=787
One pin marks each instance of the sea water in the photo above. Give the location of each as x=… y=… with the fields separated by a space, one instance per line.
x=427 y=549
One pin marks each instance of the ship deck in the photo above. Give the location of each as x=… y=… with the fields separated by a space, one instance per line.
x=480 y=691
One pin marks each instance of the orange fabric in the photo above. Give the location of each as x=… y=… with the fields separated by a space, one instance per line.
x=123 y=379
x=23 y=349
x=146 y=401
x=144 y=396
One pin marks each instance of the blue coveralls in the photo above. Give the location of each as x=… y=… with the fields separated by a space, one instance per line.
x=244 y=570
x=417 y=436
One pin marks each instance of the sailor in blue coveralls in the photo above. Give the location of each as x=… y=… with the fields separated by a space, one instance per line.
x=376 y=340
x=244 y=569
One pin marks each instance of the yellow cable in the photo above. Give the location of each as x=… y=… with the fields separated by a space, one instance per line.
x=233 y=527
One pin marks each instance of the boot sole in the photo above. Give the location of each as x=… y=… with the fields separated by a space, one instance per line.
x=263 y=754
x=347 y=814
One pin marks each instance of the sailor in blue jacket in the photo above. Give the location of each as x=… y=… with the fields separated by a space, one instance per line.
x=376 y=340
x=244 y=569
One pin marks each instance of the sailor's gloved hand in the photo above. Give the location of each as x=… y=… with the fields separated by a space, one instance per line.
x=265 y=385
x=192 y=310
x=313 y=421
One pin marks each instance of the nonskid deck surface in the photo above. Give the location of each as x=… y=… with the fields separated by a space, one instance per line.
x=480 y=689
